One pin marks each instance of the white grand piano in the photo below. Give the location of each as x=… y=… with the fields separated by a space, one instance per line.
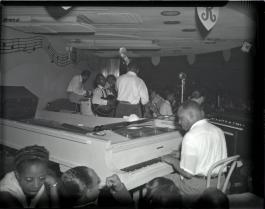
x=133 y=152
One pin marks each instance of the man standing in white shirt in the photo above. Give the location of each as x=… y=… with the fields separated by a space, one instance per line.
x=132 y=92
x=203 y=145
x=75 y=90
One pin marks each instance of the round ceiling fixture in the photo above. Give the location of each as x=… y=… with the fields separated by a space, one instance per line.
x=191 y=58
x=189 y=30
x=227 y=55
x=170 y=13
x=155 y=60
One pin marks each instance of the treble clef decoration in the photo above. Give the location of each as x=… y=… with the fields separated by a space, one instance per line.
x=208 y=13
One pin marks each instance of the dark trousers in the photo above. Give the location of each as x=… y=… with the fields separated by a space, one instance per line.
x=126 y=109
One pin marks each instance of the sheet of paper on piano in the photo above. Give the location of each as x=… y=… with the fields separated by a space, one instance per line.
x=134 y=156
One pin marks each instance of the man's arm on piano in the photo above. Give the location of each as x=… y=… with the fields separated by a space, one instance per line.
x=175 y=163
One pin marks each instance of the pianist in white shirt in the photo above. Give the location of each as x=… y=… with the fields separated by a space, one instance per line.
x=132 y=92
x=76 y=91
x=203 y=145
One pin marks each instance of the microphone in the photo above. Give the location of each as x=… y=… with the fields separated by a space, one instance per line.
x=182 y=76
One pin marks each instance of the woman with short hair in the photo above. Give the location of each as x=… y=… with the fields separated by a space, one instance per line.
x=29 y=185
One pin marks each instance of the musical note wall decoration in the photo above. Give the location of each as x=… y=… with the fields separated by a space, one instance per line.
x=30 y=45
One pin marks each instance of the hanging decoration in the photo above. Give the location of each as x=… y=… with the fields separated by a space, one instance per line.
x=227 y=55
x=155 y=60
x=208 y=16
x=30 y=44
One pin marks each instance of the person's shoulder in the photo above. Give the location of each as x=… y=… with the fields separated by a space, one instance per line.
x=8 y=201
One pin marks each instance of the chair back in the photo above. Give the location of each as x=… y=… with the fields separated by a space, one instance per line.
x=229 y=164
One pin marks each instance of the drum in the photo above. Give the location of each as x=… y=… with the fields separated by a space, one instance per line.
x=85 y=107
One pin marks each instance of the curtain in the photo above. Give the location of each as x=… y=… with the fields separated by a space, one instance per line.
x=110 y=66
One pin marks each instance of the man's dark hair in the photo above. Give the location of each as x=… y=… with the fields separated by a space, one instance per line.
x=73 y=182
x=133 y=67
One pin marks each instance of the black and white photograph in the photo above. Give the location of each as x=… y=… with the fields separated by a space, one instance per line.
x=143 y=105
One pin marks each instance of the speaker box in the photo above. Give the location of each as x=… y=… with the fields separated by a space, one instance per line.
x=17 y=102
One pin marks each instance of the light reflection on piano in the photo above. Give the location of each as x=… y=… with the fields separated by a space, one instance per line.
x=135 y=160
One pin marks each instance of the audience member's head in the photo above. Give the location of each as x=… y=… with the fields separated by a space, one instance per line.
x=212 y=198
x=161 y=193
x=111 y=80
x=170 y=96
x=100 y=80
x=31 y=165
x=189 y=113
x=85 y=75
x=79 y=185
x=197 y=97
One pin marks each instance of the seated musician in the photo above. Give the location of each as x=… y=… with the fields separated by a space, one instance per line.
x=76 y=91
x=101 y=104
x=29 y=185
x=203 y=145
x=80 y=188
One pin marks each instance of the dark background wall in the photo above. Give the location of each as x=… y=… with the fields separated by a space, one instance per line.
x=209 y=71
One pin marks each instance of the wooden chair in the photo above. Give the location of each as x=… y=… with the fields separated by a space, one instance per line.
x=229 y=164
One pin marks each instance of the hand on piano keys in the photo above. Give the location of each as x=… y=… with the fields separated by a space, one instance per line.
x=175 y=153
x=169 y=159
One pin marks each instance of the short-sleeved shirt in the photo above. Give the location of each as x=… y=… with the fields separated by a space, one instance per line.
x=202 y=146
x=165 y=108
x=98 y=93
x=76 y=86
x=132 y=89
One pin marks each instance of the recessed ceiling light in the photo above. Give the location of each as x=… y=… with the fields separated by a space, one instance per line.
x=209 y=42
x=170 y=13
x=171 y=22
x=189 y=29
x=213 y=39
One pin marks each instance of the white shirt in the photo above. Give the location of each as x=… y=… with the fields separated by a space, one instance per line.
x=132 y=89
x=10 y=184
x=76 y=86
x=97 y=94
x=165 y=108
x=202 y=146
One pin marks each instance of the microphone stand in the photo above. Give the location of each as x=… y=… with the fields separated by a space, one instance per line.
x=182 y=89
x=182 y=76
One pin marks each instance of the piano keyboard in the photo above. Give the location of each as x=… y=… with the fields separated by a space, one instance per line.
x=141 y=165
x=140 y=176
